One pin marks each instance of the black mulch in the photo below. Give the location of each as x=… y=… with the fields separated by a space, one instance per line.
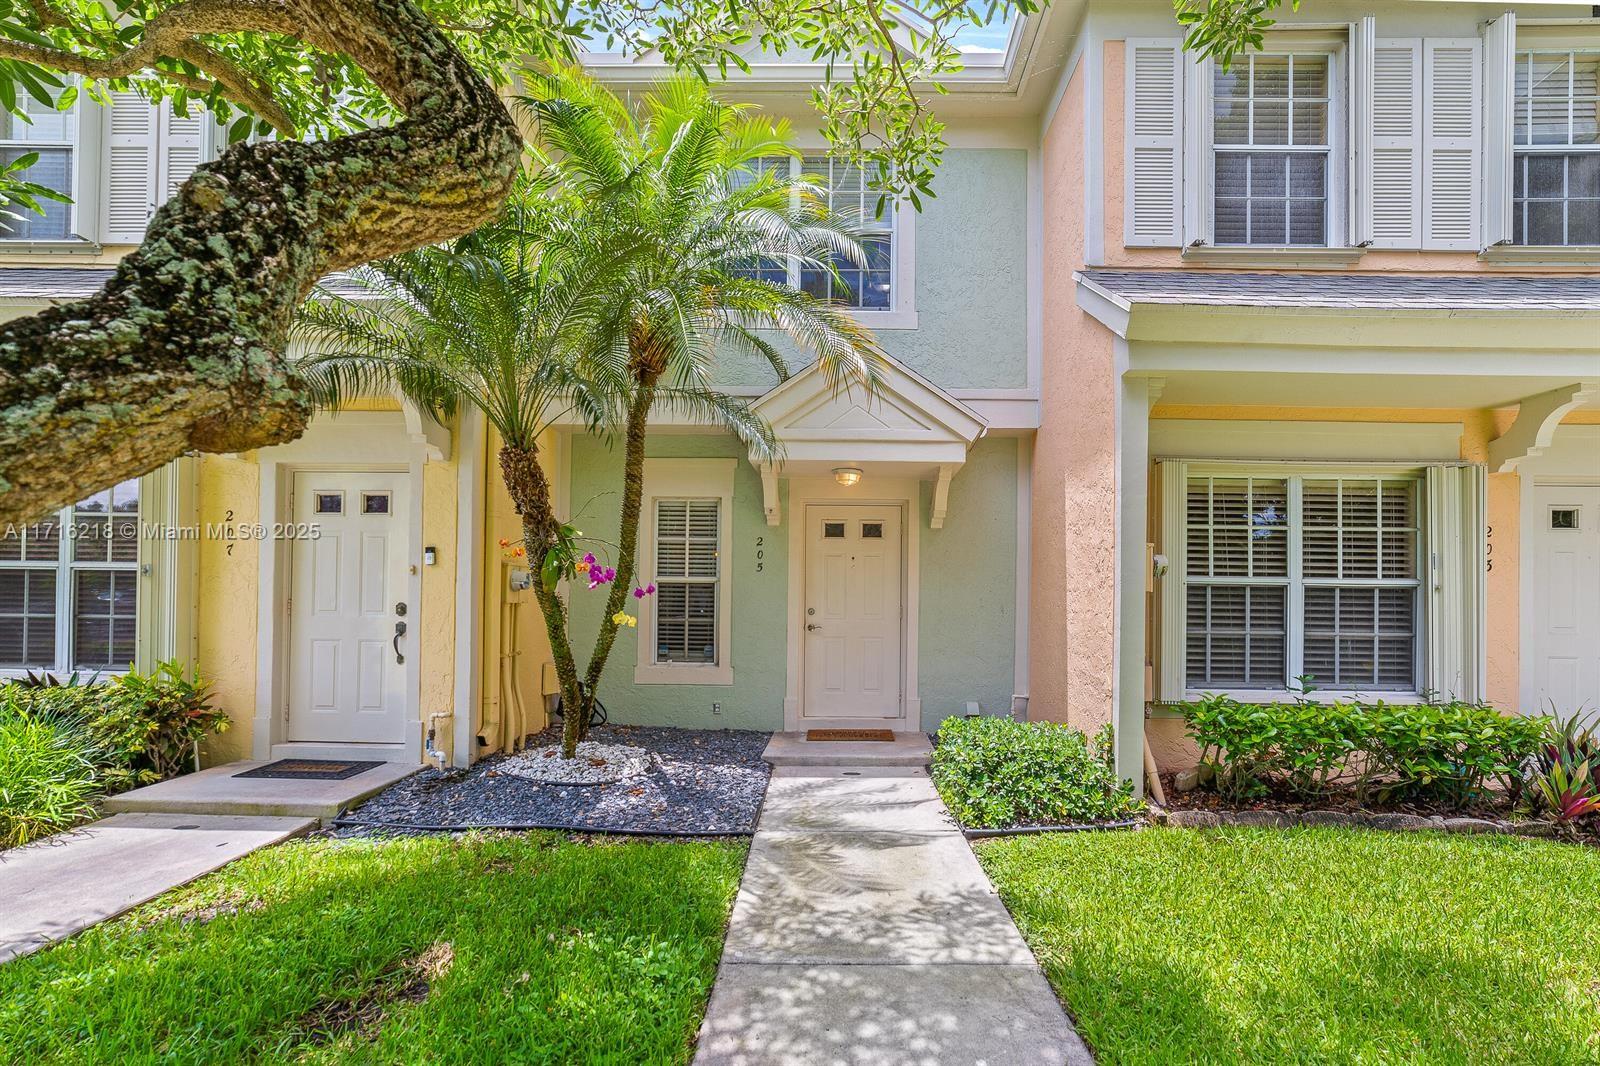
x=700 y=781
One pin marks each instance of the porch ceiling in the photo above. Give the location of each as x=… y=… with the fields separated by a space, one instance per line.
x=1258 y=388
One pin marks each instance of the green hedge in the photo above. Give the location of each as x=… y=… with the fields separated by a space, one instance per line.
x=996 y=773
x=1445 y=753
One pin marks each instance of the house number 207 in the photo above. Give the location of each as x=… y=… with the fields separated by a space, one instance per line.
x=761 y=553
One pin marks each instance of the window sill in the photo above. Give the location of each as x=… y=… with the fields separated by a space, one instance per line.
x=1319 y=258
x=681 y=674
x=71 y=246
x=885 y=319
x=1541 y=255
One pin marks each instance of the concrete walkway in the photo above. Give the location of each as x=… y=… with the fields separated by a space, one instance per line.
x=866 y=933
x=60 y=886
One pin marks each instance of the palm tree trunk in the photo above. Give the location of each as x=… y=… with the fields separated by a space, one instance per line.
x=627 y=536
x=530 y=495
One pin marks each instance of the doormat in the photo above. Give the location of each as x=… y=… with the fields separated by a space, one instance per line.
x=850 y=734
x=310 y=769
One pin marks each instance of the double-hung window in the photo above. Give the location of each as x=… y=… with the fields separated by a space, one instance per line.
x=688 y=537
x=53 y=135
x=858 y=286
x=68 y=587
x=1289 y=577
x=1555 y=175
x=1272 y=150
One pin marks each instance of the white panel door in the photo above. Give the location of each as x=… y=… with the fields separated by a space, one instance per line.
x=1562 y=669
x=853 y=608
x=346 y=683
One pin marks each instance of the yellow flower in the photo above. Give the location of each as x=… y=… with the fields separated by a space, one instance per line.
x=581 y=567
x=623 y=618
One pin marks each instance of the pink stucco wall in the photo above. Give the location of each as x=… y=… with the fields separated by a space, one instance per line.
x=1071 y=646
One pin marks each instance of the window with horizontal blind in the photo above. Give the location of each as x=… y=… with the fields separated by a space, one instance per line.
x=1289 y=577
x=687 y=550
x=68 y=587
x=1555 y=175
x=1272 y=149
x=868 y=286
x=52 y=135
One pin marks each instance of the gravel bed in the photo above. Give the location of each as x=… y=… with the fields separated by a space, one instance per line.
x=698 y=781
x=593 y=763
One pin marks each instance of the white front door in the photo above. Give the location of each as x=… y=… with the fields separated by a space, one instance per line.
x=852 y=612
x=348 y=586
x=1562 y=669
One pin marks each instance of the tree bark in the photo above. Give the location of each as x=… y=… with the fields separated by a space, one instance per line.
x=185 y=347
x=627 y=539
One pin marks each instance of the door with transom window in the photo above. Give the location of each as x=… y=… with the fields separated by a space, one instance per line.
x=853 y=611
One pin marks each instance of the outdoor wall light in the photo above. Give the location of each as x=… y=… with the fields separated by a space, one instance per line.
x=847 y=475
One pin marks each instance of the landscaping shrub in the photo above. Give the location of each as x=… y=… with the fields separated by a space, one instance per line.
x=995 y=772
x=1564 y=774
x=50 y=770
x=64 y=744
x=1443 y=753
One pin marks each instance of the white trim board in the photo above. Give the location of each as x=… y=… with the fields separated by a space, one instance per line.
x=1273 y=441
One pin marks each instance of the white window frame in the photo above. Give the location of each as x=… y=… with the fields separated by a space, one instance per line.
x=87 y=133
x=1527 y=46
x=66 y=569
x=1175 y=593
x=901 y=313
x=692 y=479
x=1202 y=188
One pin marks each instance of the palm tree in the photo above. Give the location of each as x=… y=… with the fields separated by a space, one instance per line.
x=608 y=288
x=679 y=180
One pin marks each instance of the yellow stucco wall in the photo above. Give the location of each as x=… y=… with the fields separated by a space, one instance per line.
x=225 y=608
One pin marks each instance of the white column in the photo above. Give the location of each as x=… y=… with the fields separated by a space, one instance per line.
x=470 y=505
x=1133 y=479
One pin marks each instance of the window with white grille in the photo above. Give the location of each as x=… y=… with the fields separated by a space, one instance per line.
x=1555 y=176
x=1290 y=576
x=861 y=286
x=687 y=556
x=68 y=587
x=1272 y=146
x=53 y=136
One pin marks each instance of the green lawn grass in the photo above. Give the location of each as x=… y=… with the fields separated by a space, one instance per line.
x=531 y=949
x=1313 y=945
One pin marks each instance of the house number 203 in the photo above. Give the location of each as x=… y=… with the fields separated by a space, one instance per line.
x=761 y=554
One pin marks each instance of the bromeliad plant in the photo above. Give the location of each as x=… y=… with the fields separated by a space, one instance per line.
x=1565 y=774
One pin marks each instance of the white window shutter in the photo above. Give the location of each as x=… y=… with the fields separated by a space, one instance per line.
x=129 y=193
x=1455 y=584
x=183 y=149
x=1360 y=79
x=1499 y=65
x=1451 y=143
x=1153 y=148
x=1394 y=166
x=1172 y=679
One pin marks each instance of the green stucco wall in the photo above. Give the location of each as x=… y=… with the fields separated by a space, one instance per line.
x=967 y=624
x=967 y=633
x=971 y=281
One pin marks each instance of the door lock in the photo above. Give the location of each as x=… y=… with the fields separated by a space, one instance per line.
x=400 y=610
x=399 y=631
x=811 y=625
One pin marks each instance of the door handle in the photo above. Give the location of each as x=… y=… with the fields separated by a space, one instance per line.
x=399 y=631
x=810 y=626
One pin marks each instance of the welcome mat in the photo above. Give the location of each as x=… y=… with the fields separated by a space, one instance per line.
x=310 y=769
x=850 y=734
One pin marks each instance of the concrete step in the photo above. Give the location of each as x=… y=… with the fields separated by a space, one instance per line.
x=219 y=791
x=793 y=749
x=71 y=881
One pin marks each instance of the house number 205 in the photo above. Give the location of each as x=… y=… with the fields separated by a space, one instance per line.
x=761 y=553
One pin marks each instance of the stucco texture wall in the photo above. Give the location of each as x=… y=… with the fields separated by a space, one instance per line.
x=967 y=614
x=755 y=699
x=1071 y=638
x=971 y=281
x=225 y=607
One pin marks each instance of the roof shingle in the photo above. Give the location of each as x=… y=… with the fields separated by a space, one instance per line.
x=1549 y=292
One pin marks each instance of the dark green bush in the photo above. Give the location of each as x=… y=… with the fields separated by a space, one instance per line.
x=50 y=771
x=995 y=773
x=63 y=745
x=1444 y=753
